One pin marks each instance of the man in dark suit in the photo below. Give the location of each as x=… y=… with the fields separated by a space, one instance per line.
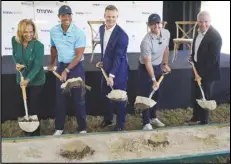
x=114 y=43
x=206 y=57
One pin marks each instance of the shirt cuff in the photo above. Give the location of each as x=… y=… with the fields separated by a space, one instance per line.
x=111 y=75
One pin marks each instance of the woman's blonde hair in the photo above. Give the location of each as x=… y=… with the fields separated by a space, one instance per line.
x=22 y=27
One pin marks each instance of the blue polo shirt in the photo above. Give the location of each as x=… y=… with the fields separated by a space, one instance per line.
x=67 y=42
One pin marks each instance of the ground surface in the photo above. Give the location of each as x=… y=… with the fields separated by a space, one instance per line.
x=174 y=117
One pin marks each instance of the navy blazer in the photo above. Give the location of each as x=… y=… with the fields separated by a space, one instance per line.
x=208 y=55
x=115 y=60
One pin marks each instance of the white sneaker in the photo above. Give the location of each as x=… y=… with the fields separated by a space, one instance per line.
x=157 y=122
x=58 y=133
x=147 y=127
x=83 y=131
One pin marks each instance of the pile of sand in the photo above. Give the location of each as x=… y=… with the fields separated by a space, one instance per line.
x=119 y=146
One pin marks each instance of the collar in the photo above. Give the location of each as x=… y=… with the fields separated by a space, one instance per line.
x=111 y=29
x=154 y=36
x=203 y=33
x=69 y=28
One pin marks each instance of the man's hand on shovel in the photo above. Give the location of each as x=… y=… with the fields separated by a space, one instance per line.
x=99 y=65
x=197 y=76
x=166 y=68
x=110 y=81
x=155 y=85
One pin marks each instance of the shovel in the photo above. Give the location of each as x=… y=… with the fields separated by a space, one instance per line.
x=143 y=103
x=27 y=123
x=115 y=94
x=203 y=103
x=76 y=82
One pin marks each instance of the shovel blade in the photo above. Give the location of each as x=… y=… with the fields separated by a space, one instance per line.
x=29 y=126
x=117 y=95
x=145 y=102
x=207 y=104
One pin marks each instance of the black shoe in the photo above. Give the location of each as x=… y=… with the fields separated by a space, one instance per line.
x=118 y=129
x=106 y=123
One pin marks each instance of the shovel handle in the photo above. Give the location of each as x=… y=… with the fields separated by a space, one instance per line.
x=23 y=89
x=105 y=76
x=196 y=74
x=104 y=73
x=160 y=79
x=56 y=74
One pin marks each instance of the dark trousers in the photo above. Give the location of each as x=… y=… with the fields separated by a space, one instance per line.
x=76 y=95
x=33 y=104
x=145 y=88
x=119 y=108
x=200 y=114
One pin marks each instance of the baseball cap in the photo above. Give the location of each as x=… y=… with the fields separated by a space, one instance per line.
x=65 y=10
x=154 y=18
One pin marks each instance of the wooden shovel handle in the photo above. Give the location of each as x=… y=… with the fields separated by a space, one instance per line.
x=23 y=89
x=104 y=74
x=56 y=74
x=196 y=75
x=160 y=79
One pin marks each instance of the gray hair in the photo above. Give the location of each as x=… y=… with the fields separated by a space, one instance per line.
x=203 y=14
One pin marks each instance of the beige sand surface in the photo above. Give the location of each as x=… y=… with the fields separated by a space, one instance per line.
x=121 y=146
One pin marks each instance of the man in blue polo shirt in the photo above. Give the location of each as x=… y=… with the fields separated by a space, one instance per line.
x=68 y=44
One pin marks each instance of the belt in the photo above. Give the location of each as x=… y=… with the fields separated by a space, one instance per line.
x=65 y=64
x=152 y=65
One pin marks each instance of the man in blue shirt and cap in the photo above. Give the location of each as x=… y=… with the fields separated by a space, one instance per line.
x=68 y=43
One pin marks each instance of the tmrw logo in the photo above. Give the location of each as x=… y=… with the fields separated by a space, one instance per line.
x=44 y=11
x=11 y=12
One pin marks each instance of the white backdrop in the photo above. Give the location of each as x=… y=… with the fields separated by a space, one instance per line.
x=133 y=16
x=220 y=15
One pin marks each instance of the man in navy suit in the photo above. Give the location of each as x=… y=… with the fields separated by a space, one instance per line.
x=206 y=58
x=114 y=43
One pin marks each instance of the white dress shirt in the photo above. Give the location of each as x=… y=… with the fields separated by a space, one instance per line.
x=199 y=38
x=107 y=35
